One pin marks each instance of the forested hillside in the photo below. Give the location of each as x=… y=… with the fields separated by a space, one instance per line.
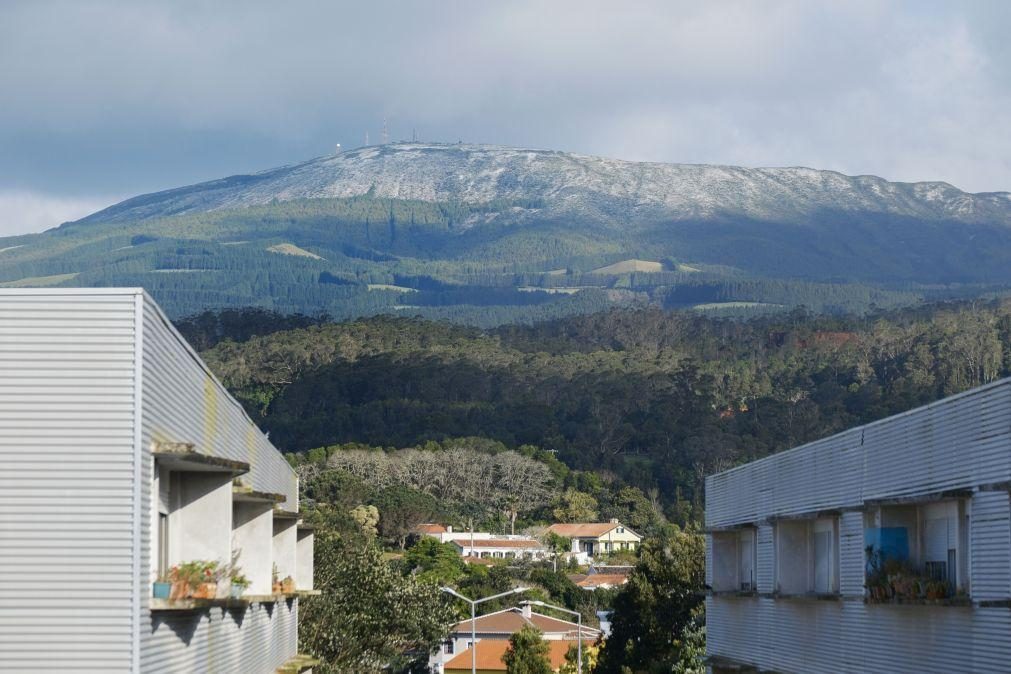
x=656 y=399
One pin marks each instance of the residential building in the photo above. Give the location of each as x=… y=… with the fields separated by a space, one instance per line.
x=601 y=577
x=123 y=456
x=512 y=547
x=491 y=654
x=595 y=538
x=493 y=631
x=483 y=545
x=886 y=547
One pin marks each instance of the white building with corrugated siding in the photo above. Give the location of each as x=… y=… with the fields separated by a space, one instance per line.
x=123 y=456
x=885 y=548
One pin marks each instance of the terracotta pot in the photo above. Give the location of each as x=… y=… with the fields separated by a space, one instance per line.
x=277 y=588
x=206 y=591
x=180 y=590
x=288 y=586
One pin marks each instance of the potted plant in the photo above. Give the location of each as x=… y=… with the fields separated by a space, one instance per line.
x=239 y=585
x=162 y=588
x=275 y=583
x=206 y=581
x=181 y=577
x=288 y=585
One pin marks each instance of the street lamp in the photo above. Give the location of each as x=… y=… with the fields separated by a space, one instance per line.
x=579 y=623
x=473 y=616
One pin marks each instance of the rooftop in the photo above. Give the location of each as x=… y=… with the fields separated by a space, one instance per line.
x=490 y=652
x=586 y=529
x=512 y=620
x=498 y=543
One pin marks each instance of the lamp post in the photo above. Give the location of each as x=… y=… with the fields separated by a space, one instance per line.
x=473 y=616
x=579 y=624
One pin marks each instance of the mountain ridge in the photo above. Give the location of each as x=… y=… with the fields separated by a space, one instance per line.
x=491 y=234
x=480 y=174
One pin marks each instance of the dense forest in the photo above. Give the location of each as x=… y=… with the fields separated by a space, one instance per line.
x=646 y=397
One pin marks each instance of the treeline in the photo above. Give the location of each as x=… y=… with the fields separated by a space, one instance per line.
x=656 y=399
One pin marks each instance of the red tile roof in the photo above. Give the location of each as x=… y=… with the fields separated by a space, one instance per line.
x=490 y=652
x=512 y=620
x=430 y=529
x=600 y=579
x=496 y=543
x=583 y=529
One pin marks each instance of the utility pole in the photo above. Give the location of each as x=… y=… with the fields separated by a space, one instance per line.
x=366 y=138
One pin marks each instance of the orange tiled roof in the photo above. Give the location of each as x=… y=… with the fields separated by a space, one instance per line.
x=430 y=529
x=512 y=620
x=496 y=543
x=598 y=579
x=583 y=529
x=490 y=652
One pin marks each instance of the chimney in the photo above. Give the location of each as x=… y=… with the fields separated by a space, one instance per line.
x=614 y=520
x=525 y=611
x=449 y=529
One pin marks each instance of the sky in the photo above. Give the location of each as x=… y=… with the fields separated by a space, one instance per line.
x=102 y=100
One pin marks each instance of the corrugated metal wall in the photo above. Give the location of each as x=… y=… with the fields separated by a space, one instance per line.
x=253 y=640
x=963 y=442
x=183 y=402
x=67 y=393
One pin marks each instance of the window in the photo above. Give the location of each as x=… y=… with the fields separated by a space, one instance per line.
x=926 y=543
x=734 y=560
x=621 y=530
x=807 y=554
x=448 y=647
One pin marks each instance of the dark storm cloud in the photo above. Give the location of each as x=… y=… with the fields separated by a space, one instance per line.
x=107 y=99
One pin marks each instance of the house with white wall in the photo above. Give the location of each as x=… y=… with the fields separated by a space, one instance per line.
x=494 y=629
x=590 y=539
x=123 y=457
x=884 y=548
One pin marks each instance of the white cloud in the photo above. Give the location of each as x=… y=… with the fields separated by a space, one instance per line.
x=24 y=212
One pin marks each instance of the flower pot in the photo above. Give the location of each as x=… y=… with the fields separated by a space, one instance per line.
x=277 y=588
x=161 y=590
x=206 y=591
x=288 y=586
x=236 y=591
x=180 y=590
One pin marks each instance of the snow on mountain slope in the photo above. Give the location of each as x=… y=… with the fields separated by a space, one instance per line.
x=572 y=184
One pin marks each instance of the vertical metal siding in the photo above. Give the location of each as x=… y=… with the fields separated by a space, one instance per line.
x=67 y=393
x=962 y=442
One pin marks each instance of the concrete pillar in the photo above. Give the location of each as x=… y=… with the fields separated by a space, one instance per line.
x=253 y=539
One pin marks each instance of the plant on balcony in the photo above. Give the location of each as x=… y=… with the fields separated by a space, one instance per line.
x=239 y=584
x=196 y=580
x=162 y=587
x=275 y=583
x=890 y=579
x=288 y=585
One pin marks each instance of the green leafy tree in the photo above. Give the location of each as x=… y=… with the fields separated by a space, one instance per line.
x=575 y=506
x=656 y=606
x=433 y=561
x=366 y=517
x=528 y=653
x=368 y=616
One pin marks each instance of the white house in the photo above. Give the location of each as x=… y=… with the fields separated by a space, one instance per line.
x=503 y=547
x=124 y=456
x=884 y=548
x=484 y=545
x=590 y=539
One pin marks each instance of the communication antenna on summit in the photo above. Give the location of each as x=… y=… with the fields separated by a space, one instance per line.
x=366 y=138
x=414 y=135
x=386 y=133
